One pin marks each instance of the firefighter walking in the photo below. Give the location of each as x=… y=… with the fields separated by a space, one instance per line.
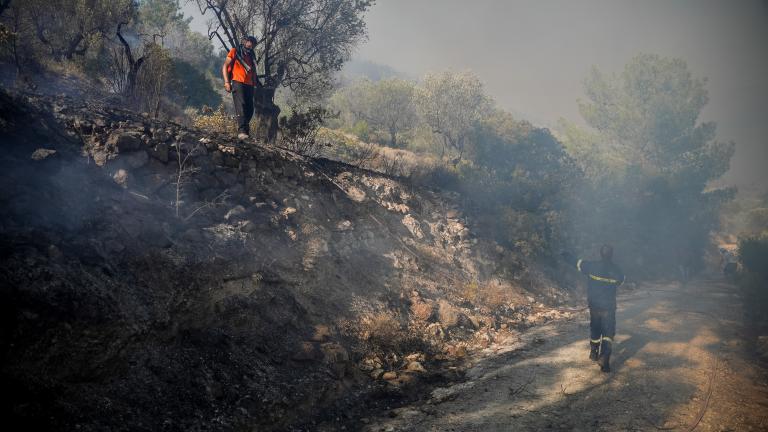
x=603 y=277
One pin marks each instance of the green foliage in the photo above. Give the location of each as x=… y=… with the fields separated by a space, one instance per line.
x=360 y=129
x=192 y=86
x=162 y=17
x=595 y=156
x=650 y=112
x=647 y=167
x=383 y=108
x=518 y=179
x=452 y=104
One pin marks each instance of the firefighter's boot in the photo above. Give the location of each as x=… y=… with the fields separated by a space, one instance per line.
x=605 y=355
x=594 y=350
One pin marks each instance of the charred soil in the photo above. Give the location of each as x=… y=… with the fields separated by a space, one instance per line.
x=156 y=277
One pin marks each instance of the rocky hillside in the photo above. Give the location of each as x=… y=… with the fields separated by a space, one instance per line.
x=156 y=277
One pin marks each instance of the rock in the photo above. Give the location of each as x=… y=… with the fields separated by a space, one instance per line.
x=42 y=153
x=124 y=142
x=344 y=225
x=99 y=157
x=459 y=351
x=389 y=376
x=355 y=194
x=121 y=177
x=450 y=316
x=371 y=363
x=287 y=212
x=413 y=226
x=234 y=212
x=419 y=357
x=377 y=373
x=415 y=366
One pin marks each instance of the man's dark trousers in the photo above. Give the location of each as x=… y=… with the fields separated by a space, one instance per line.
x=602 y=323
x=242 y=96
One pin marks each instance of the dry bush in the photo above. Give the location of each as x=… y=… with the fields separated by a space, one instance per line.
x=299 y=131
x=470 y=291
x=422 y=311
x=494 y=294
x=216 y=121
x=383 y=333
x=368 y=153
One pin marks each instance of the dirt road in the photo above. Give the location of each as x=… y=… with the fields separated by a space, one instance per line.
x=678 y=364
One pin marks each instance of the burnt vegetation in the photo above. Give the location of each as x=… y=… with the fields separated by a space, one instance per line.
x=159 y=275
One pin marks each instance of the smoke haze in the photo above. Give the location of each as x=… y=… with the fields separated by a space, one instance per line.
x=534 y=55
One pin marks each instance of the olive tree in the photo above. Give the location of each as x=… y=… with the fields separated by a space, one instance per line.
x=69 y=27
x=451 y=104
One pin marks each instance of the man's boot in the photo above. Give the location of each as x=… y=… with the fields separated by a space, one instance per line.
x=605 y=355
x=594 y=350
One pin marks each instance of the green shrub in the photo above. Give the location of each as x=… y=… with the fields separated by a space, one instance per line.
x=360 y=130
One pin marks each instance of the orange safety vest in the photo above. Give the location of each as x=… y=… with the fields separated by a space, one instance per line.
x=238 y=71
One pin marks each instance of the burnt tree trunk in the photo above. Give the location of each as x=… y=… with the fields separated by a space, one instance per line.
x=134 y=65
x=265 y=112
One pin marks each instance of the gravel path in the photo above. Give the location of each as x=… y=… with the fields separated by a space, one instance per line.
x=678 y=364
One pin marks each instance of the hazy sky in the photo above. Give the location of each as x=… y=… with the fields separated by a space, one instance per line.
x=533 y=55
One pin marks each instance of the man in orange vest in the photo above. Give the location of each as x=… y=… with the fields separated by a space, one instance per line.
x=239 y=72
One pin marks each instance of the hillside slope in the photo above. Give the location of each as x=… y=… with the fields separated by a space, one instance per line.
x=162 y=278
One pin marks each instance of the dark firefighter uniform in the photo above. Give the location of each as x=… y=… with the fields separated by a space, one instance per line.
x=603 y=277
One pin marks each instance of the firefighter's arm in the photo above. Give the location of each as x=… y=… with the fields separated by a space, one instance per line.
x=225 y=73
x=573 y=261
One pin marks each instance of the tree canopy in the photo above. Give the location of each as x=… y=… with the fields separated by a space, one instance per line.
x=452 y=104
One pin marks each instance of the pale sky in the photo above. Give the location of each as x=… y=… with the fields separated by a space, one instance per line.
x=533 y=55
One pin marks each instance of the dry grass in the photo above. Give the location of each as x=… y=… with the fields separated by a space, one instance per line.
x=494 y=294
x=395 y=162
x=216 y=121
x=422 y=311
x=384 y=334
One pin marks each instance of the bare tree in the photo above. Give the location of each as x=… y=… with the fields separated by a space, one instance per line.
x=300 y=43
x=130 y=64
